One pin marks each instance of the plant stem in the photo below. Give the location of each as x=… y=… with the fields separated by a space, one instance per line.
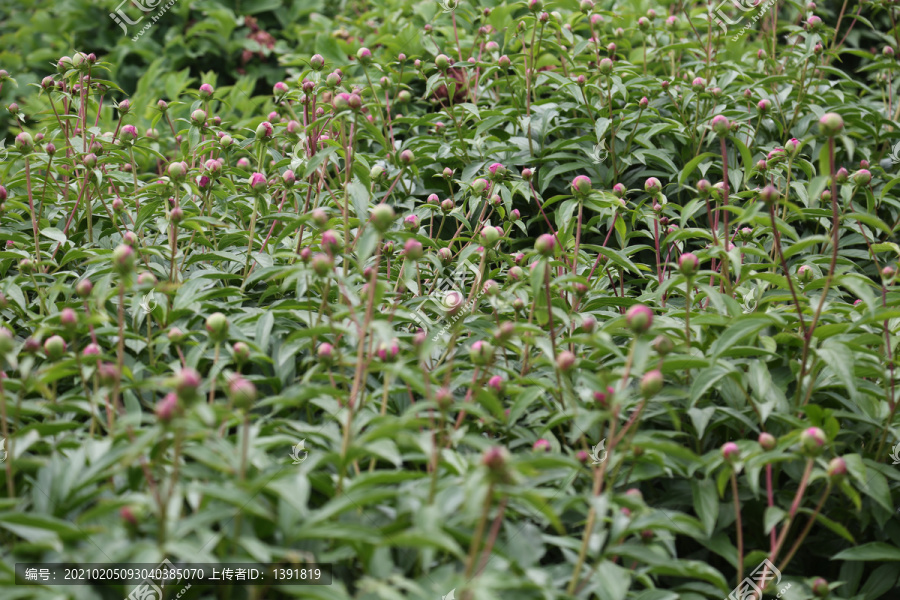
x=34 y=215
x=809 y=524
x=795 y=505
x=834 y=252
x=479 y=531
x=787 y=274
x=212 y=379
x=687 y=311
x=250 y=242
x=740 y=529
x=10 y=484
x=726 y=271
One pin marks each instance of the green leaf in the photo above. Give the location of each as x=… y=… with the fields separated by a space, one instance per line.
x=53 y=233
x=873 y=551
x=706 y=503
x=840 y=360
x=736 y=331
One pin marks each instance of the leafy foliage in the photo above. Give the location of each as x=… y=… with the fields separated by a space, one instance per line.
x=465 y=303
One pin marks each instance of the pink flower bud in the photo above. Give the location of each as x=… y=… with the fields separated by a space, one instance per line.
x=766 y=441
x=581 y=185
x=541 y=445
x=639 y=318
x=730 y=451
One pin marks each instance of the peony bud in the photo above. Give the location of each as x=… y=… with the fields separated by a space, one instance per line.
x=837 y=468
x=413 y=249
x=663 y=345
x=820 y=587
x=322 y=264
x=123 y=258
x=639 y=318
x=54 y=347
x=541 y=445
x=84 y=288
x=167 y=408
x=766 y=441
x=481 y=353
x=769 y=195
x=812 y=441
x=241 y=392
x=830 y=124
x=217 y=327
x=545 y=244
x=490 y=235
x=565 y=360
x=186 y=382
x=651 y=383
x=581 y=185
x=688 y=263
x=382 y=217
x=730 y=451
x=720 y=125
x=68 y=319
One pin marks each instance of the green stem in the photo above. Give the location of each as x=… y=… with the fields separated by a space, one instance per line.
x=479 y=531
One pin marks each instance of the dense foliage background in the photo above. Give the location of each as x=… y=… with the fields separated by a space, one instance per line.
x=453 y=296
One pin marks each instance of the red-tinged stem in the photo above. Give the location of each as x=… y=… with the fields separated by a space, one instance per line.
x=492 y=536
x=805 y=532
x=120 y=354
x=726 y=271
x=770 y=496
x=577 y=238
x=34 y=216
x=599 y=255
x=479 y=531
x=543 y=214
x=390 y=189
x=212 y=380
x=462 y=413
x=656 y=244
x=740 y=529
x=795 y=505
x=599 y=476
